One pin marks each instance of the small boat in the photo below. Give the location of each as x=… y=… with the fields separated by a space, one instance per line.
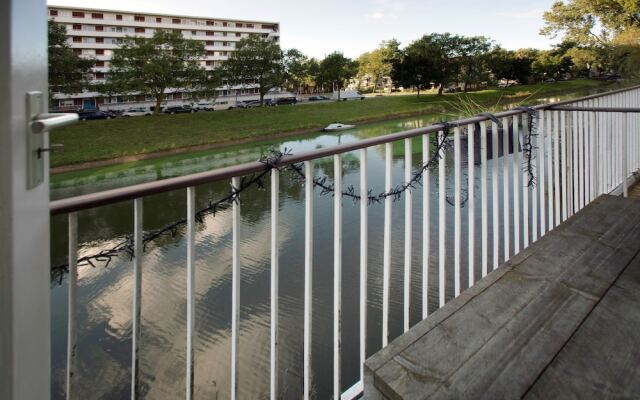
x=338 y=127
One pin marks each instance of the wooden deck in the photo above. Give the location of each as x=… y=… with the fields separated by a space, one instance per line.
x=560 y=320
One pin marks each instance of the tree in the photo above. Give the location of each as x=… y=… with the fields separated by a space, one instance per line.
x=337 y=69
x=473 y=55
x=591 y=22
x=551 y=65
x=414 y=67
x=377 y=63
x=512 y=65
x=295 y=69
x=256 y=59
x=67 y=71
x=150 y=66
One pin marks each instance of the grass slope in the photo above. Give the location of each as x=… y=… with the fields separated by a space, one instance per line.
x=107 y=139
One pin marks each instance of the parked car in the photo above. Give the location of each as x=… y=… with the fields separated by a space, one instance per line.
x=223 y=105
x=319 y=98
x=179 y=110
x=348 y=95
x=203 y=106
x=95 y=114
x=281 y=101
x=136 y=112
x=249 y=104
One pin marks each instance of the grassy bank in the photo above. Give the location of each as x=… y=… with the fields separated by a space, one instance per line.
x=108 y=139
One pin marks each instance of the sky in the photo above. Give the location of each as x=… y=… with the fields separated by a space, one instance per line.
x=319 y=27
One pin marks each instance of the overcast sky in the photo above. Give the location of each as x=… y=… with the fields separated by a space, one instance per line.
x=319 y=27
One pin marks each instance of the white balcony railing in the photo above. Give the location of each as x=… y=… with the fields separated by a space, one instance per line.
x=581 y=149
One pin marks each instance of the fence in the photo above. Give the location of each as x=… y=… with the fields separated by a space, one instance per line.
x=547 y=163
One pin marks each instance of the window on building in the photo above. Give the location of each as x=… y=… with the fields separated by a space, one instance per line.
x=53 y=13
x=159 y=20
x=175 y=21
x=194 y=33
x=209 y=23
x=211 y=53
x=140 y=30
x=138 y=18
x=77 y=14
x=209 y=63
x=225 y=44
x=209 y=33
x=97 y=16
x=100 y=52
x=99 y=28
x=77 y=51
x=238 y=34
x=224 y=24
x=249 y=25
x=209 y=43
x=77 y=39
x=99 y=75
x=224 y=33
x=99 y=64
x=99 y=40
x=77 y=27
x=238 y=25
x=118 y=17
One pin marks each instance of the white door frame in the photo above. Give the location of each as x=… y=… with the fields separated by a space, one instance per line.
x=25 y=359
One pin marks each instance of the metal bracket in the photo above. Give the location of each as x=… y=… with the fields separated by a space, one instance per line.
x=38 y=123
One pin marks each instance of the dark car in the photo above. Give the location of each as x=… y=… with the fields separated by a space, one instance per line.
x=179 y=110
x=284 y=101
x=248 y=104
x=319 y=98
x=96 y=114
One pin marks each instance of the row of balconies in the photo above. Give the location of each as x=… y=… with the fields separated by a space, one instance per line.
x=161 y=25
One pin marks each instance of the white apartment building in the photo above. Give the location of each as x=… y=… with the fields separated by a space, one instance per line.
x=95 y=33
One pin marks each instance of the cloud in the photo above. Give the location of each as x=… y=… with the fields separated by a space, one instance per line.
x=376 y=15
x=535 y=13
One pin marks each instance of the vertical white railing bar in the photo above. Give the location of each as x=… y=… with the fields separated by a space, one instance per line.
x=364 y=242
x=586 y=154
x=485 y=199
x=386 y=273
x=408 y=227
x=549 y=155
x=625 y=165
x=581 y=165
x=235 y=289
x=526 y=190
x=534 y=190
x=137 y=296
x=494 y=198
x=308 y=274
x=442 y=221
x=505 y=189
x=593 y=155
x=337 y=273
x=517 y=234
x=457 y=160
x=275 y=208
x=576 y=165
x=471 y=177
x=191 y=233
x=564 y=163
x=542 y=132
x=556 y=167
x=426 y=233
x=72 y=306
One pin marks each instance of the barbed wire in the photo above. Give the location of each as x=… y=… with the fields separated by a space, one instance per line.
x=271 y=161
x=527 y=146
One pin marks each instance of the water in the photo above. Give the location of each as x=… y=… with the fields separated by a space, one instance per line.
x=105 y=294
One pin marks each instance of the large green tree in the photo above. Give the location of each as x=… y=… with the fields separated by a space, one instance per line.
x=512 y=65
x=338 y=69
x=377 y=64
x=256 y=59
x=68 y=72
x=473 y=58
x=295 y=69
x=150 y=66
x=415 y=67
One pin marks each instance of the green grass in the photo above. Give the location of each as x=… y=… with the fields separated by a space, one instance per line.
x=107 y=139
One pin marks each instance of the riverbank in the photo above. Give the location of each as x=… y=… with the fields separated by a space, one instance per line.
x=99 y=143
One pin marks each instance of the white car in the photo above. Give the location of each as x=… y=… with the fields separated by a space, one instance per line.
x=203 y=106
x=137 y=112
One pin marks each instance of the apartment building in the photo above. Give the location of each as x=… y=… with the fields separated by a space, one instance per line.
x=95 y=33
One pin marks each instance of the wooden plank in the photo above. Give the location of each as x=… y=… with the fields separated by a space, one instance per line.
x=495 y=341
x=601 y=360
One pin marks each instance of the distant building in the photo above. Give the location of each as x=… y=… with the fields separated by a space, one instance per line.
x=95 y=33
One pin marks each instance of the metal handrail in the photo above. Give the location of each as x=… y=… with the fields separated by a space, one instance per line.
x=107 y=197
